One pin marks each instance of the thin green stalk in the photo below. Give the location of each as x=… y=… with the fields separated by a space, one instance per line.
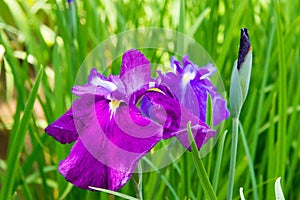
x=181 y=16
x=17 y=144
x=66 y=192
x=140 y=183
x=172 y=190
x=137 y=180
x=26 y=188
x=204 y=179
x=282 y=94
x=234 y=145
x=118 y=194
x=218 y=163
x=184 y=176
x=180 y=41
x=250 y=163
x=270 y=148
x=262 y=92
x=73 y=31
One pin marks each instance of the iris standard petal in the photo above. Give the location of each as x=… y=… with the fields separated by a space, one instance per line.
x=206 y=71
x=135 y=71
x=63 y=129
x=185 y=94
x=192 y=86
x=79 y=90
x=176 y=65
x=98 y=84
x=100 y=80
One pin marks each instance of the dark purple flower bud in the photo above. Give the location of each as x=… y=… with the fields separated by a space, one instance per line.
x=70 y=1
x=244 y=47
x=240 y=78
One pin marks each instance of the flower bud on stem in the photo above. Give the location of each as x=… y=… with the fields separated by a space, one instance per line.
x=239 y=86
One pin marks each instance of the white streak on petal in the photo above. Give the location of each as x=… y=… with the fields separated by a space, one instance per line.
x=187 y=77
x=211 y=70
x=106 y=84
x=174 y=67
x=151 y=84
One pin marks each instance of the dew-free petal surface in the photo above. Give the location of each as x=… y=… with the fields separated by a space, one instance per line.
x=109 y=148
x=63 y=129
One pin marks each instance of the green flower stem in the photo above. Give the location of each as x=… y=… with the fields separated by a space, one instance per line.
x=234 y=144
x=204 y=179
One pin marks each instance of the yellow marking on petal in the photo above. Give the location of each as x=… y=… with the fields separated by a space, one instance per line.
x=185 y=79
x=113 y=105
x=156 y=90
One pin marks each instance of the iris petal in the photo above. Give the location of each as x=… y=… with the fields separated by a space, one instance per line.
x=82 y=169
x=90 y=89
x=220 y=111
x=176 y=65
x=166 y=111
x=174 y=117
x=99 y=80
x=109 y=149
x=98 y=84
x=63 y=129
x=193 y=94
x=135 y=71
x=206 y=71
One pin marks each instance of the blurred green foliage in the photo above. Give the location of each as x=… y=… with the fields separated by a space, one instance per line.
x=57 y=36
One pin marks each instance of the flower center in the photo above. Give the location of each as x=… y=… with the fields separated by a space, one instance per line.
x=113 y=105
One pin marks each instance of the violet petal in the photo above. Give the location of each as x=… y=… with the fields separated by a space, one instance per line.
x=63 y=129
x=82 y=169
x=174 y=117
x=135 y=71
x=219 y=107
x=110 y=145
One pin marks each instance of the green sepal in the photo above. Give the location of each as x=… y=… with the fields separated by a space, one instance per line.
x=236 y=99
x=245 y=74
x=239 y=84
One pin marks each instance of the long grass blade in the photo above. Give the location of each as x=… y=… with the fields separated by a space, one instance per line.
x=115 y=193
x=250 y=163
x=204 y=179
x=17 y=142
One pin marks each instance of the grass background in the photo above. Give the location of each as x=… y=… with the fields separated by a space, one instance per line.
x=52 y=38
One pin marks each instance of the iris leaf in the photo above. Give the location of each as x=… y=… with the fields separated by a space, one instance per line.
x=202 y=174
x=114 y=193
x=17 y=144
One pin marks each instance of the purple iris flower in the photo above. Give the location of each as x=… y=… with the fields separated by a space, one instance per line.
x=114 y=128
x=191 y=85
